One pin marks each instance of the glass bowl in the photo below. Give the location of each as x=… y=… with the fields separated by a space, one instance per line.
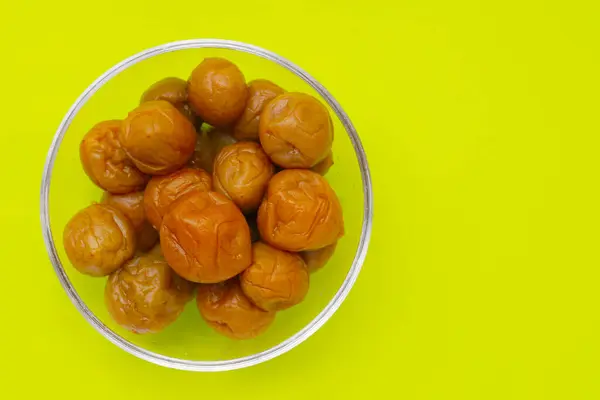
x=189 y=344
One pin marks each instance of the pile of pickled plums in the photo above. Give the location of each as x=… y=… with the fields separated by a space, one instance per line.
x=214 y=188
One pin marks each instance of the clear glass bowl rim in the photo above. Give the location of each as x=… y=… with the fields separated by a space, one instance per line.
x=237 y=363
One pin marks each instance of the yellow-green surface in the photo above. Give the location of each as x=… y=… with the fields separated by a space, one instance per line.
x=481 y=126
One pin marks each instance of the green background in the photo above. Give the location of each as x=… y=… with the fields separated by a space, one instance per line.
x=480 y=122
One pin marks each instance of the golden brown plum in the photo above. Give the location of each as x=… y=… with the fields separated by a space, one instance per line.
x=316 y=259
x=260 y=92
x=227 y=310
x=323 y=167
x=98 y=240
x=145 y=296
x=295 y=130
x=208 y=145
x=205 y=238
x=217 y=91
x=300 y=212
x=132 y=206
x=241 y=172
x=276 y=279
x=157 y=137
x=162 y=191
x=173 y=90
x=106 y=162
